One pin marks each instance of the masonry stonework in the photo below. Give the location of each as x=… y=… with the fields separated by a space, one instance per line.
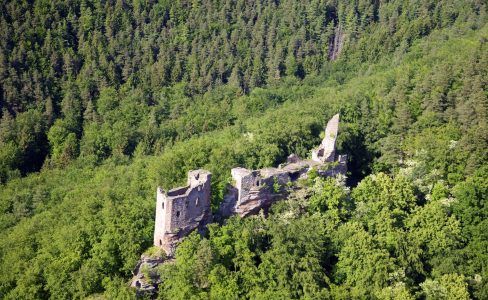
x=326 y=151
x=183 y=209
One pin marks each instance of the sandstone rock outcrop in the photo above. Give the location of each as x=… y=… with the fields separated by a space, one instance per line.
x=145 y=278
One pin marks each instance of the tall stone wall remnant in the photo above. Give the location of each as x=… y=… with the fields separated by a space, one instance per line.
x=326 y=151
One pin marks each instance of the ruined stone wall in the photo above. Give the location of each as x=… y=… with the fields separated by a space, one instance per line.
x=326 y=151
x=161 y=213
x=244 y=180
x=339 y=169
x=255 y=190
x=192 y=206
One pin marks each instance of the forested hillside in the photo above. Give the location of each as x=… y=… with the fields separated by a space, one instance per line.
x=103 y=101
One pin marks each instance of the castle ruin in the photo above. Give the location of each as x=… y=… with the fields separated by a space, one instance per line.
x=184 y=209
x=253 y=190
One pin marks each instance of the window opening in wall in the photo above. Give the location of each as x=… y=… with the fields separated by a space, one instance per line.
x=257 y=182
x=196 y=201
x=177 y=214
x=162 y=205
x=160 y=243
x=294 y=176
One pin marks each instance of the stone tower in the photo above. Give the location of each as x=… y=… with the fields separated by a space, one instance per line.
x=182 y=210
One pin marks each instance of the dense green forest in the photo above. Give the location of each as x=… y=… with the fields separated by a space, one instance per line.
x=102 y=101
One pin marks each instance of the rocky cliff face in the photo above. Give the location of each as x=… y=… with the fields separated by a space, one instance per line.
x=260 y=189
x=145 y=277
x=336 y=43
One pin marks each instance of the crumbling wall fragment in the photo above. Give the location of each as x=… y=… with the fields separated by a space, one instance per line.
x=326 y=151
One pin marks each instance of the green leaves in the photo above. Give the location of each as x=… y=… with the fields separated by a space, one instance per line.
x=383 y=203
x=256 y=258
x=364 y=266
x=331 y=197
x=449 y=287
x=64 y=143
